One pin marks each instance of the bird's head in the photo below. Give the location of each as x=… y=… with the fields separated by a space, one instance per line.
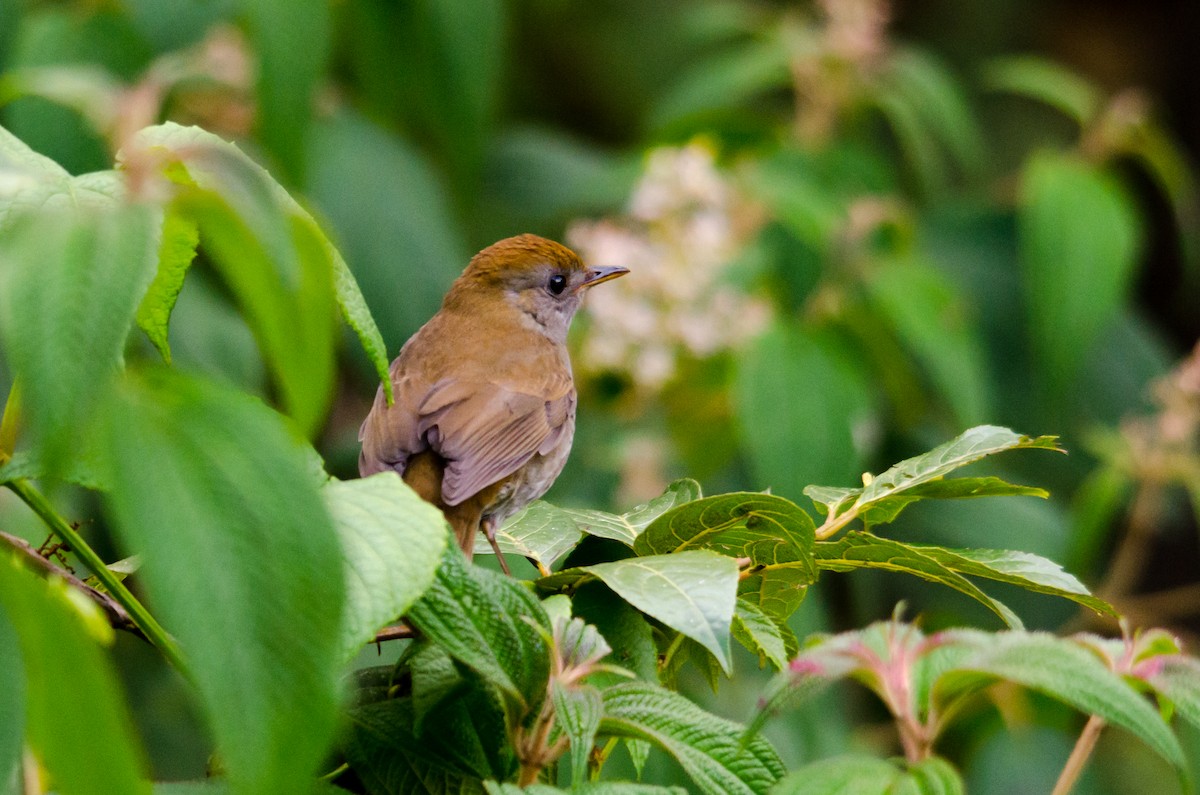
x=538 y=277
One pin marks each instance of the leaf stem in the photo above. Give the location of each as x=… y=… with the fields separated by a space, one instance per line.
x=138 y=613
x=1079 y=755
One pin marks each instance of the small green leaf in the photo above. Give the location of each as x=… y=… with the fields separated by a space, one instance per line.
x=82 y=733
x=214 y=491
x=577 y=711
x=1063 y=670
x=1046 y=82
x=707 y=747
x=175 y=254
x=1179 y=680
x=540 y=532
x=692 y=592
x=490 y=623
x=628 y=526
x=1079 y=240
x=759 y=633
x=887 y=509
x=392 y=543
x=862 y=550
x=850 y=774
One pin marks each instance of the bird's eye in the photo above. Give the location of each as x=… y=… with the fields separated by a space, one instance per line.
x=557 y=284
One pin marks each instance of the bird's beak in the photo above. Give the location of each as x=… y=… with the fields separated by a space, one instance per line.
x=597 y=275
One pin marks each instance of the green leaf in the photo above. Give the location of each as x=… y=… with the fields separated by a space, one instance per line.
x=292 y=42
x=76 y=723
x=577 y=711
x=850 y=774
x=759 y=633
x=862 y=550
x=793 y=431
x=692 y=592
x=628 y=526
x=389 y=757
x=586 y=788
x=175 y=254
x=1046 y=82
x=707 y=747
x=763 y=527
x=970 y=446
x=887 y=509
x=392 y=543
x=435 y=677
x=12 y=703
x=490 y=623
x=1079 y=242
x=623 y=627
x=1179 y=680
x=23 y=167
x=540 y=532
x=1065 y=671
x=214 y=492
x=930 y=319
x=70 y=283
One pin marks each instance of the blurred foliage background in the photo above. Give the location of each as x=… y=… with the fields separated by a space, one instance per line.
x=856 y=228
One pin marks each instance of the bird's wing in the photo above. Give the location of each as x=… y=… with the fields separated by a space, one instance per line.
x=487 y=431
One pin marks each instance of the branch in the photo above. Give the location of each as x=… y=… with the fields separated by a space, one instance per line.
x=118 y=617
x=395 y=632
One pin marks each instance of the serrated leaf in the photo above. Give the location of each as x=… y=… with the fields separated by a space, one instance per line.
x=577 y=711
x=540 y=532
x=388 y=757
x=707 y=747
x=759 y=633
x=1079 y=236
x=862 y=550
x=237 y=547
x=627 y=527
x=692 y=592
x=969 y=447
x=1065 y=671
x=1023 y=569
x=435 y=677
x=175 y=254
x=490 y=623
x=82 y=735
x=392 y=543
x=70 y=282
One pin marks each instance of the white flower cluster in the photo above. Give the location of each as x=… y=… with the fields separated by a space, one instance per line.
x=684 y=226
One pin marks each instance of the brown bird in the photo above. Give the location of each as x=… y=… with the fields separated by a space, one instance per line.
x=484 y=410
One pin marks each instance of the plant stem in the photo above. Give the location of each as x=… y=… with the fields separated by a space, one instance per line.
x=140 y=616
x=8 y=424
x=1079 y=755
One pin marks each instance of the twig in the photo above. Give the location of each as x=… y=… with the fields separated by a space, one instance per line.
x=118 y=617
x=395 y=632
x=137 y=612
x=1079 y=755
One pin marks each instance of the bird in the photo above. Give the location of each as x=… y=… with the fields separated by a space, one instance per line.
x=484 y=410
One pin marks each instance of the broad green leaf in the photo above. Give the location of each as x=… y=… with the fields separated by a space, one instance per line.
x=759 y=633
x=1079 y=240
x=586 y=788
x=931 y=321
x=276 y=259
x=1065 y=671
x=623 y=627
x=799 y=399
x=577 y=711
x=213 y=490
x=219 y=787
x=386 y=754
x=540 y=532
x=763 y=527
x=12 y=703
x=292 y=42
x=490 y=623
x=175 y=254
x=76 y=722
x=22 y=166
x=857 y=550
x=392 y=543
x=435 y=677
x=70 y=282
x=851 y=774
x=835 y=500
x=1023 y=569
x=972 y=445
x=692 y=592
x=710 y=749
x=628 y=526
x=1047 y=82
